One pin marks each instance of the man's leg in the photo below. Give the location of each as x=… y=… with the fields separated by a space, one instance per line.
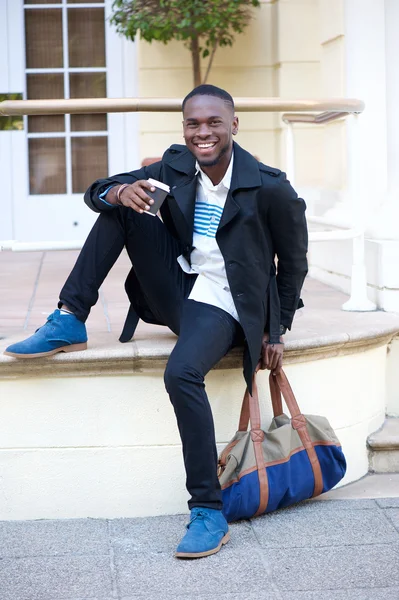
x=207 y=333
x=153 y=252
x=100 y=251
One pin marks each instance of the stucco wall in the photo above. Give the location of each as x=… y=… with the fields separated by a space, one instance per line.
x=108 y=446
x=278 y=55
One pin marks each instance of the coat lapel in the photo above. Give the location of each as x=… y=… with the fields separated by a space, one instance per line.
x=185 y=186
x=245 y=176
x=184 y=194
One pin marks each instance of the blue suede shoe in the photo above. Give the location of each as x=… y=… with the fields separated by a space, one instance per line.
x=61 y=333
x=206 y=534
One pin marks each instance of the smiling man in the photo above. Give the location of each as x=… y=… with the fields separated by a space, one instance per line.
x=206 y=270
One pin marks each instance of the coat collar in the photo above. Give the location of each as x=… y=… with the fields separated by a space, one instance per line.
x=245 y=170
x=245 y=175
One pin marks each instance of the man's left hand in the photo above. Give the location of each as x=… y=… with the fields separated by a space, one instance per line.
x=272 y=355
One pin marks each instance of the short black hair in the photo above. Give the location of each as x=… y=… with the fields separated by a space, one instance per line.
x=209 y=90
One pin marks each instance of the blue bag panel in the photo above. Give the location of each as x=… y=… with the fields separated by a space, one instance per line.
x=289 y=482
x=333 y=465
x=241 y=500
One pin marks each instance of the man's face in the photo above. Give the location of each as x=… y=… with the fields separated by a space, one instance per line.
x=208 y=127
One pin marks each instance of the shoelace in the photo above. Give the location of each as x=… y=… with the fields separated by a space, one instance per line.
x=199 y=515
x=49 y=319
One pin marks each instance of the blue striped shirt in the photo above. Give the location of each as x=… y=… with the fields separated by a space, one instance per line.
x=206 y=218
x=207 y=262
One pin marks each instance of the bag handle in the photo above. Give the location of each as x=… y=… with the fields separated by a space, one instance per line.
x=277 y=403
x=250 y=411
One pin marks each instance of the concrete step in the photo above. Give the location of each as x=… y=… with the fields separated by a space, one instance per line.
x=384 y=448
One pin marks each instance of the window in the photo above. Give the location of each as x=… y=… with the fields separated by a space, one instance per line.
x=65 y=58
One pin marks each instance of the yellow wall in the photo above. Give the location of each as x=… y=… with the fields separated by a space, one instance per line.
x=279 y=55
x=332 y=43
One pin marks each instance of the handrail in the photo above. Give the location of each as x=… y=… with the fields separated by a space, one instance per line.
x=320 y=119
x=328 y=106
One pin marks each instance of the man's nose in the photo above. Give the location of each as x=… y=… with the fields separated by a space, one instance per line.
x=204 y=130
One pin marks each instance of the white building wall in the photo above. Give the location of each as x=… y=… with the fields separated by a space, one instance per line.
x=360 y=49
x=11 y=82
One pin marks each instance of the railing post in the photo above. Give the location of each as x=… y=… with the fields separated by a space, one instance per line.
x=290 y=152
x=358 y=300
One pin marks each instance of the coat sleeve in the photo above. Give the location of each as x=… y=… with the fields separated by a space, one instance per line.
x=288 y=228
x=91 y=196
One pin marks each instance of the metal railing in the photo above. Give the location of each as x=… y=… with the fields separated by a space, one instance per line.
x=329 y=106
x=317 y=112
x=358 y=300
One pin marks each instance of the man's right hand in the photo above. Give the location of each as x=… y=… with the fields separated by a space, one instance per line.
x=132 y=196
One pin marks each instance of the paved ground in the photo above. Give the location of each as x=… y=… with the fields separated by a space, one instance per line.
x=346 y=549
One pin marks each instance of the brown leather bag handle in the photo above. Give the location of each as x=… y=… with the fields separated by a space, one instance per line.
x=298 y=422
x=280 y=386
x=257 y=437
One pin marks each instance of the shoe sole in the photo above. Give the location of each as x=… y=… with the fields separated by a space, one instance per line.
x=71 y=348
x=202 y=554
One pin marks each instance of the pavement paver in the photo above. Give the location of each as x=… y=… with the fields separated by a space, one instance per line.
x=52 y=538
x=324 y=526
x=388 y=593
x=50 y=578
x=334 y=567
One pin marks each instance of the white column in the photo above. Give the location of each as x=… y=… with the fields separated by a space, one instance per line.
x=122 y=82
x=13 y=165
x=365 y=79
x=392 y=91
x=384 y=224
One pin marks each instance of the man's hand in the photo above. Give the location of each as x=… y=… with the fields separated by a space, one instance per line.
x=272 y=355
x=132 y=196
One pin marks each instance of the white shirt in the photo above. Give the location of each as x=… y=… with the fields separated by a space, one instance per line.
x=211 y=286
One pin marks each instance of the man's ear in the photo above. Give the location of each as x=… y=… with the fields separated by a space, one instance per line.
x=235 y=126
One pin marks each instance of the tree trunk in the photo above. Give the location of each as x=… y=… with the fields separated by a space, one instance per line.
x=196 y=61
x=210 y=62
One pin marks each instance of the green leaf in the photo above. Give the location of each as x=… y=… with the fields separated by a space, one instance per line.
x=214 y=22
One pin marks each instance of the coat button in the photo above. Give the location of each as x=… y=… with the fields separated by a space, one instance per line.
x=239 y=294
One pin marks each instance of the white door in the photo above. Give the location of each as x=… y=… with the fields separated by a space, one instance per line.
x=70 y=51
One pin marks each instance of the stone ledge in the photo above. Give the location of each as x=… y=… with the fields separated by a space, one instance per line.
x=150 y=352
x=386 y=438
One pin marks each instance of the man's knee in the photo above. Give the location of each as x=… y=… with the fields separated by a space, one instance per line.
x=179 y=374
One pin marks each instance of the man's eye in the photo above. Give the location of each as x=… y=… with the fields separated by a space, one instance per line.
x=215 y=122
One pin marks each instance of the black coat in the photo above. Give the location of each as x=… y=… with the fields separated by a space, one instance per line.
x=263 y=218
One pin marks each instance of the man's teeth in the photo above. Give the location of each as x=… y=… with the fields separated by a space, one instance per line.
x=205 y=145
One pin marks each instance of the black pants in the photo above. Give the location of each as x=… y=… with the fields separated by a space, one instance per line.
x=206 y=333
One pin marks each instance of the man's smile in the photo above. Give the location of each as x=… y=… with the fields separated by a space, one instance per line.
x=205 y=147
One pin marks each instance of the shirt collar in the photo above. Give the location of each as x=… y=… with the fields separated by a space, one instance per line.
x=226 y=181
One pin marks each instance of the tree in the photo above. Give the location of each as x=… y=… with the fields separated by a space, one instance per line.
x=203 y=25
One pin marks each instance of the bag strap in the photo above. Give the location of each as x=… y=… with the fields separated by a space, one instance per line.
x=277 y=404
x=244 y=421
x=280 y=386
x=257 y=437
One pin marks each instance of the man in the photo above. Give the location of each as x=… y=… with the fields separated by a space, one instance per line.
x=206 y=270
